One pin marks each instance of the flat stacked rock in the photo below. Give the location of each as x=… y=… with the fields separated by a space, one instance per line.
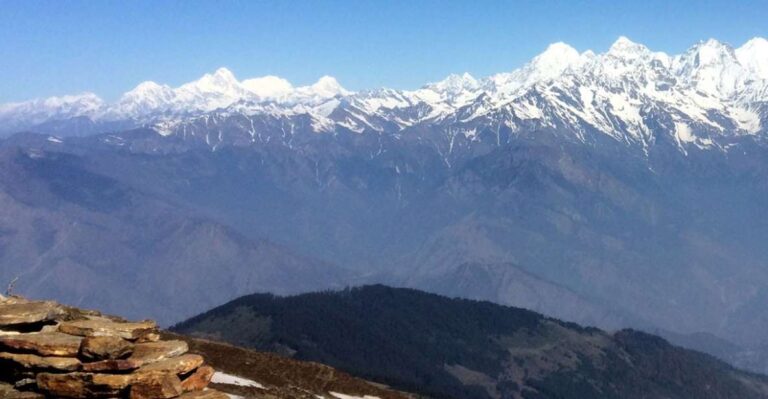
x=51 y=351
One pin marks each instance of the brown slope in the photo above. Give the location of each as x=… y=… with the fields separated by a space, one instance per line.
x=282 y=377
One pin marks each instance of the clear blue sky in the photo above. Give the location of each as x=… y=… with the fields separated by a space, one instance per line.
x=60 y=47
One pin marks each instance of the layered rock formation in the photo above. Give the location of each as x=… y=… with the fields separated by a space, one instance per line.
x=52 y=351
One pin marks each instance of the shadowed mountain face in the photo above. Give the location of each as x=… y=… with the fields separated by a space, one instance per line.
x=596 y=233
x=74 y=234
x=465 y=349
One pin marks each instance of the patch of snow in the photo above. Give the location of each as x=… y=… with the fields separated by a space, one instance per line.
x=747 y=120
x=166 y=128
x=684 y=133
x=224 y=378
x=343 y=396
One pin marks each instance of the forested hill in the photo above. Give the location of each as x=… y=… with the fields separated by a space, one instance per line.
x=458 y=348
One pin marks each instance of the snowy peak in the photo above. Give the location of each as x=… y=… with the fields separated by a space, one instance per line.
x=147 y=88
x=557 y=58
x=145 y=97
x=268 y=87
x=711 y=89
x=550 y=64
x=222 y=83
x=455 y=83
x=711 y=68
x=453 y=91
x=327 y=86
x=224 y=74
x=40 y=110
x=625 y=48
x=713 y=53
x=218 y=90
x=753 y=56
x=82 y=102
x=556 y=53
x=223 y=77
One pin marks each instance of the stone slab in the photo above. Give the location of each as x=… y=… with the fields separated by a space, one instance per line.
x=44 y=344
x=143 y=354
x=14 y=314
x=31 y=362
x=101 y=326
x=105 y=348
x=84 y=385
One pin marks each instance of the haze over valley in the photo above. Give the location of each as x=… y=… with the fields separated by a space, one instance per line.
x=586 y=186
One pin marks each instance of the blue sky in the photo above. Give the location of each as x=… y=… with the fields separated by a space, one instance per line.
x=61 y=47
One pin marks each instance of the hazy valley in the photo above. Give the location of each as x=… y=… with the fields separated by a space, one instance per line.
x=622 y=189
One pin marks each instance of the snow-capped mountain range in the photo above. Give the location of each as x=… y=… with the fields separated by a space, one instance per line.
x=617 y=189
x=630 y=93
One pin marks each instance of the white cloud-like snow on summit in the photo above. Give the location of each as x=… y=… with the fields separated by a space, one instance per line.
x=269 y=86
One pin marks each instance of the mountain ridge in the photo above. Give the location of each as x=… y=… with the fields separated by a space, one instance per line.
x=445 y=347
x=709 y=92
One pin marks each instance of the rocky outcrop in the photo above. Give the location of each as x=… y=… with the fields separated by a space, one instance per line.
x=48 y=350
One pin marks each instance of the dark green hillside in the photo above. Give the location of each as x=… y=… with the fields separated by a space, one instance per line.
x=459 y=348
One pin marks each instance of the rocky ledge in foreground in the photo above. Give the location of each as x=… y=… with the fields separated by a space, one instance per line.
x=48 y=350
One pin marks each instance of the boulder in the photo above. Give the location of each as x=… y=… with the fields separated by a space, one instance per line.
x=198 y=380
x=34 y=362
x=20 y=313
x=104 y=348
x=84 y=385
x=44 y=344
x=51 y=351
x=102 y=326
x=156 y=385
x=143 y=354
